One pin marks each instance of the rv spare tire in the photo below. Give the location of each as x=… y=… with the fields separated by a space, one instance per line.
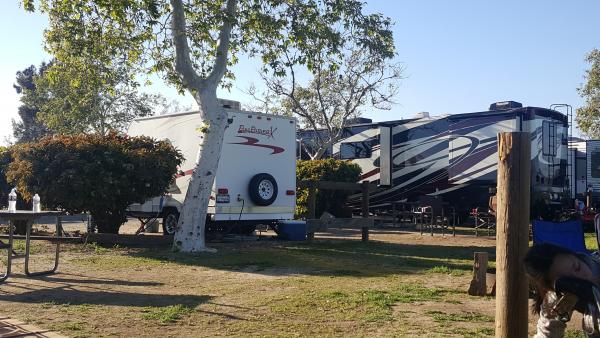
x=262 y=189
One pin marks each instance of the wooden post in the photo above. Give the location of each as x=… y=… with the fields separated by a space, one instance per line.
x=588 y=195
x=512 y=242
x=478 y=284
x=312 y=207
x=365 y=209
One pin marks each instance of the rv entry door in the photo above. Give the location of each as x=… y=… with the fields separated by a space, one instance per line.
x=385 y=156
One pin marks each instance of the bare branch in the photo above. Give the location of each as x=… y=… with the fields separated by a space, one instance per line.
x=323 y=109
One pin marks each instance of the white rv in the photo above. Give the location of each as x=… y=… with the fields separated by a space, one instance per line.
x=256 y=176
x=584 y=171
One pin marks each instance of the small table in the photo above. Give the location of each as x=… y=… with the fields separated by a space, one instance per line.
x=30 y=217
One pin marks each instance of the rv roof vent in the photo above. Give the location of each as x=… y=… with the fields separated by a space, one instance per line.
x=505 y=105
x=230 y=104
x=422 y=115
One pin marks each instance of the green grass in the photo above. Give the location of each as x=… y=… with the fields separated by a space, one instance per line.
x=73 y=329
x=48 y=305
x=369 y=305
x=113 y=261
x=590 y=241
x=444 y=270
x=167 y=314
x=442 y=317
x=34 y=247
x=76 y=308
x=574 y=334
x=333 y=258
x=473 y=333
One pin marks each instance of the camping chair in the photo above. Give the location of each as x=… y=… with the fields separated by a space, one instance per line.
x=404 y=212
x=597 y=230
x=431 y=214
x=566 y=234
x=485 y=219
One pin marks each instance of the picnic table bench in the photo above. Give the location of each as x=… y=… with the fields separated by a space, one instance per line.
x=29 y=217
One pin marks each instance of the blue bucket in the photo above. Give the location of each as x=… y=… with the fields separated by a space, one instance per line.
x=292 y=230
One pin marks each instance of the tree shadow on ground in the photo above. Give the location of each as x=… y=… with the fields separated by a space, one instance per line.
x=327 y=257
x=68 y=296
x=75 y=289
x=82 y=279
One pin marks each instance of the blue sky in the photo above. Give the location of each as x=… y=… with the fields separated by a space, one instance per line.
x=460 y=56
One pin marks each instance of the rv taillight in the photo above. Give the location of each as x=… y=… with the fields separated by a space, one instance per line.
x=222 y=191
x=290 y=192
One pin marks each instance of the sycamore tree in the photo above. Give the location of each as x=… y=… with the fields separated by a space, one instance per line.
x=588 y=116
x=360 y=78
x=194 y=43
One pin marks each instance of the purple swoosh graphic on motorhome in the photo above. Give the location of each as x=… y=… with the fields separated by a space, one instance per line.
x=473 y=159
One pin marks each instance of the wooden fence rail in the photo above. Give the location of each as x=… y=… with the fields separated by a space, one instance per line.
x=312 y=186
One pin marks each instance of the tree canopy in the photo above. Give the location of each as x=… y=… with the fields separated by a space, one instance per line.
x=588 y=116
x=137 y=33
x=29 y=127
x=83 y=96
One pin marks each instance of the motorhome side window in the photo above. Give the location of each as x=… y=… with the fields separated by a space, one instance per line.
x=549 y=138
x=354 y=150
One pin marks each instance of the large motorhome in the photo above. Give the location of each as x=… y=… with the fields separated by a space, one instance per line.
x=455 y=156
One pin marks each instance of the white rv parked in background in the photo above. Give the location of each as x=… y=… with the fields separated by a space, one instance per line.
x=256 y=177
x=585 y=168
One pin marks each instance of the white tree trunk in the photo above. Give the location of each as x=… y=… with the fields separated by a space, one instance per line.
x=189 y=236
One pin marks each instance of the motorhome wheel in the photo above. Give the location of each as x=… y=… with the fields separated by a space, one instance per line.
x=170 y=222
x=262 y=189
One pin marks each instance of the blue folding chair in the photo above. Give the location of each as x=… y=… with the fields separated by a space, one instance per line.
x=566 y=234
x=597 y=229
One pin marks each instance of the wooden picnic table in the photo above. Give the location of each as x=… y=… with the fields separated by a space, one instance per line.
x=30 y=217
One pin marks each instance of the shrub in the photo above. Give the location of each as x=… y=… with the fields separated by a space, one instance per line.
x=5 y=159
x=325 y=170
x=6 y=187
x=98 y=174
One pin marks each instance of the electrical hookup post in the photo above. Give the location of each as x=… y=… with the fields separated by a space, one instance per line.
x=512 y=236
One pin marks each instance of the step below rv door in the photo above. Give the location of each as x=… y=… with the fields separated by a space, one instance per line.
x=385 y=156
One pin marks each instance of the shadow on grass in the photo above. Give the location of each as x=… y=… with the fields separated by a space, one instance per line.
x=81 y=279
x=68 y=296
x=327 y=258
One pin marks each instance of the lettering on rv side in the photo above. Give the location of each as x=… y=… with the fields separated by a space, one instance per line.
x=270 y=133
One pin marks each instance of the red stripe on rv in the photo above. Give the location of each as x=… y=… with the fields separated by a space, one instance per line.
x=185 y=173
x=369 y=174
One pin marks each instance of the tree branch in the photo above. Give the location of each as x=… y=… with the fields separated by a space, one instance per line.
x=183 y=63
x=220 y=66
x=323 y=110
